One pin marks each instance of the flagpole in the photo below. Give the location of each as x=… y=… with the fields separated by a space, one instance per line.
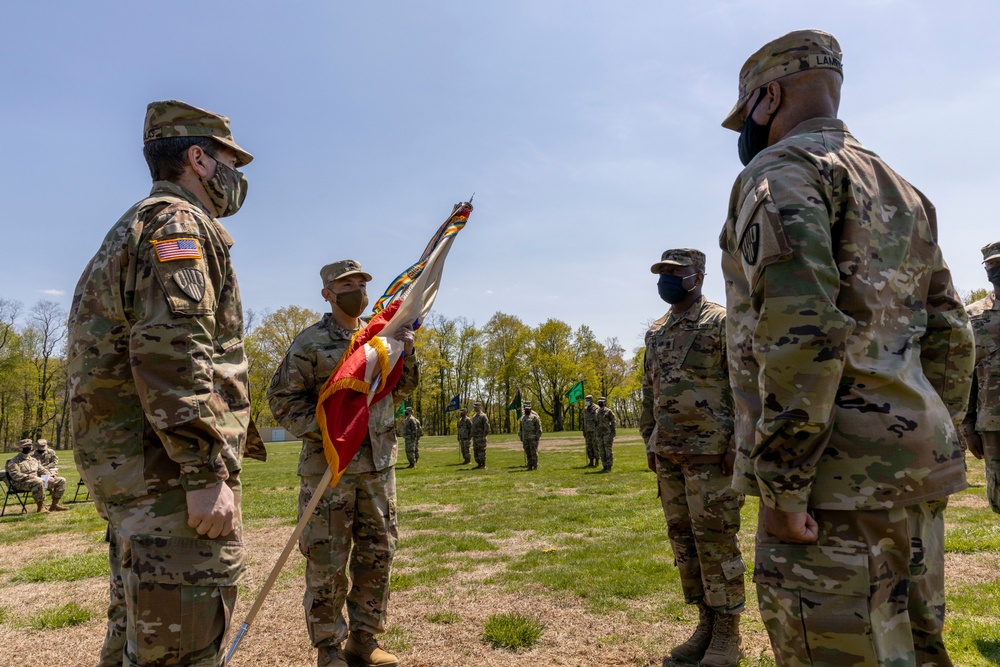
x=276 y=570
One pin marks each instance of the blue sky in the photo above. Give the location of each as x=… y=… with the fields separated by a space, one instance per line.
x=588 y=130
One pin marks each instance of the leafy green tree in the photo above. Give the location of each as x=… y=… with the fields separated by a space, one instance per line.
x=266 y=343
x=553 y=368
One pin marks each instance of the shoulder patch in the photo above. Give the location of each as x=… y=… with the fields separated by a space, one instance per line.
x=168 y=251
x=192 y=282
x=750 y=243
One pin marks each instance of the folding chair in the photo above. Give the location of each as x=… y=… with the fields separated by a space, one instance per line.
x=9 y=491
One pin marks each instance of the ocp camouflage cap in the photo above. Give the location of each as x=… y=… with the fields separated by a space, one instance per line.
x=173 y=118
x=526 y=404
x=788 y=54
x=991 y=251
x=590 y=396
x=26 y=442
x=342 y=269
x=41 y=442
x=680 y=257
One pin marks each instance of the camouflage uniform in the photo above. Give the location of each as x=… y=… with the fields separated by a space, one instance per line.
x=160 y=298
x=687 y=422
x=480 y=429
x=46 y=455
x=530 y=432
x=25 y=473
x=984 y=404
x=465 y=436
x=360 y=510
x=605 y=433
x=588 y=417
x=851 y=357
x=411 y=436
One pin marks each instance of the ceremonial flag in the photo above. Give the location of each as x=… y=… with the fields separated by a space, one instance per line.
x=516 y=403
x=401 y=410
x=373 y=362
x=452 y=404
x=575 y=393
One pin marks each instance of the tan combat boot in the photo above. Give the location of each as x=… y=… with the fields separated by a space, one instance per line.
x=56 y=507
x=362 y=649
x=726 y=648
x=694 y=648
x=42 y=509
x=330 y=656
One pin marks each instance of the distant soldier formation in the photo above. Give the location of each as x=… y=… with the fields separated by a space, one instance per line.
x=833 y=385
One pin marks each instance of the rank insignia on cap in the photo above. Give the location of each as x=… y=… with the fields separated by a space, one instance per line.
x=192 y=281
x=168 y=251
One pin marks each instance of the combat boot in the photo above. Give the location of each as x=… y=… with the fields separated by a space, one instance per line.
x=726 y=648
x=362 y=649
x=694 y=648
x=42 y=509
x=330 y=656
x=56 y=507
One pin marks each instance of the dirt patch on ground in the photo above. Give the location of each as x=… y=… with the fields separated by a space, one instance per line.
x=978 y=568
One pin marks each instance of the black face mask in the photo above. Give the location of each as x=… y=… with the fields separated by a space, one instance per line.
x=670 y=288
x=753 y=135
x=993 y=275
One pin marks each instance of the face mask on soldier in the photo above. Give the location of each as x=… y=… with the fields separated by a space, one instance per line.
x=753 y=135
x=671 y=288
x=353 y=303
x=227 y=188
x=993 y=274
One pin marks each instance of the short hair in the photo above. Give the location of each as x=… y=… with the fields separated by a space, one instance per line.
x=166 y=157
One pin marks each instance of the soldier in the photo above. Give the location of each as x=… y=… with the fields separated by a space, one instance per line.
x=480 y=429
x=46 y=455
x=355 y=522
x=411 y=436
x=26 y=473
x=605 y=434
x=530 y=432
x=851 y=359
x=159 y=448
x=687 y=424
x=982 y=423
x=589 y=419
x=465 y=434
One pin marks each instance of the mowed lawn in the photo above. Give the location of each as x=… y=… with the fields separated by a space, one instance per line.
x=582 y=554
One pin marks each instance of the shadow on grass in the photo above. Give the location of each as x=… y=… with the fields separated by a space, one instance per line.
x=989 y=650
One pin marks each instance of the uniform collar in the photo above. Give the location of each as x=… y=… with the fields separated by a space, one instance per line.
x=691 y=313
x=337 y=331
x=175 y=190
x=817 y=125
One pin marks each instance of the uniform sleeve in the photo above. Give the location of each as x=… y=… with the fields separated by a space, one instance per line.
x=173 y=341
x=292 y=394
x=800 y=337
x=647 y=418
x=727 y=409
x=948 y=346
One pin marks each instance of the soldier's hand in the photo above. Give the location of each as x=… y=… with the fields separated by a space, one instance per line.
x=975 y=443
x=651 y=461
x=793 y=527
x=211 y=511
x=405 y=335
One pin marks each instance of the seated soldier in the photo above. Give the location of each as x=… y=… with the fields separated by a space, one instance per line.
x=27 y=474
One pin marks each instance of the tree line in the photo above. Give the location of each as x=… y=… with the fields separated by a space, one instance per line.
x=488 y=363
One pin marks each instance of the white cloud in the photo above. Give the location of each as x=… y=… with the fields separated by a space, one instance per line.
x=52 y=292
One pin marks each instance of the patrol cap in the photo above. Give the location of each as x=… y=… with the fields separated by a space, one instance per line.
x=342 y=269
x=526 y=404
x=602 y=400
x=26 y=442
x=791 y=53
x=590 y=396
x=680 y=257
x=991 y=251
x=173 y=118
x=41 y=442
x=477 y=404
x=463 y=411
x=409 y=410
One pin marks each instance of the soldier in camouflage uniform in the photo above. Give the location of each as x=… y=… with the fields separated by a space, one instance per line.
x=851 y=359
x=981 y=427
x=607 y=428
x=27 y=474
x=687 y=424
x=354 y=526
x=480 y=429
x=589 y=425
x=465 y=434
x=161 y=449
x=412 y=431
x=530 y=432
x=46 y=455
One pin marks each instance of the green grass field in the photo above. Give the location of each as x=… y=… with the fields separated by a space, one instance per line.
x=562 y=532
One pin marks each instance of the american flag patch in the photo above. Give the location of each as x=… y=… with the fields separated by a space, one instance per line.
x=167 y=251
